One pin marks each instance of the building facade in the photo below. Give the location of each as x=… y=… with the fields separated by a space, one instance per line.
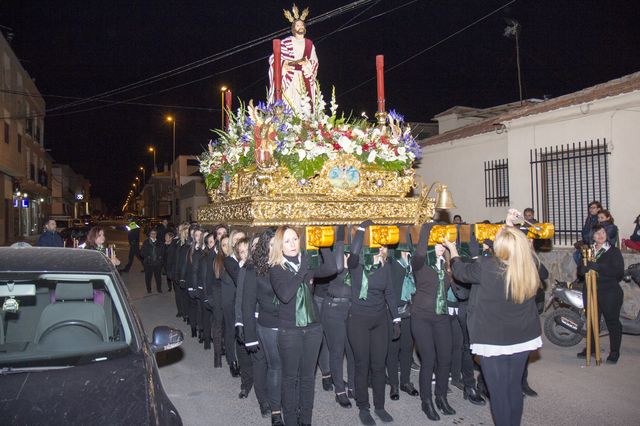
x=70 y=192
x=555 y=155
x=25 y=167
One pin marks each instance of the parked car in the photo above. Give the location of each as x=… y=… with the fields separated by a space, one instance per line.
x=72 y=348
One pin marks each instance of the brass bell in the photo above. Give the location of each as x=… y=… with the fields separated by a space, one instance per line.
x=444 y=200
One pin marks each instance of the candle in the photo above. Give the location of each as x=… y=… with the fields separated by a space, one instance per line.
x=277 y=71
x=227 y=106
x=380 y=81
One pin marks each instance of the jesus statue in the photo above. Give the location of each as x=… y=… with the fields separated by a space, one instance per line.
x=299 y=64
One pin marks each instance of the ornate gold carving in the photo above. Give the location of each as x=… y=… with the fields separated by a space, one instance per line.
x=260 y=197
x=318 y=236
x=383 y=236
x=440 y=233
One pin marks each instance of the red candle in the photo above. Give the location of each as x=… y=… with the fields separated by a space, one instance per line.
x=227 y=106
x=277 y=71
x=380 y=81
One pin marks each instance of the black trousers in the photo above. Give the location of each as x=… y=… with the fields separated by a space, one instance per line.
x=183 y=298
x=229 y=332
x=323 y=357
x=369 y=338
x=193 y=310
x=134 y=250
x=334 y=322
x=400 y=351
x=213 y=326
x=299 y=348
x=177 y=297
x=609 y=304
x=259 y=375
x=503 y=376
x=432 y=334
x=155 y=271
x=461 y=357
x=269 y=344
x=246 y=369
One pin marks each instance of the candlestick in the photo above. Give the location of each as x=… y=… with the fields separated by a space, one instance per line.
x=277 y=71
x=227 y=103
x=380 y=81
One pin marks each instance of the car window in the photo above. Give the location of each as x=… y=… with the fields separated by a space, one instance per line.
x=61 y=319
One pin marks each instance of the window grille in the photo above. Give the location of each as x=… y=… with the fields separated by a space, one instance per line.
x=496 y=183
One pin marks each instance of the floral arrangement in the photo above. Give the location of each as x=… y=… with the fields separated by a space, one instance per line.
x=303 y=138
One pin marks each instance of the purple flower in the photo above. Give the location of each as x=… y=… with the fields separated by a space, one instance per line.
x=394 y=115
x=282 y=128
x=248 y=122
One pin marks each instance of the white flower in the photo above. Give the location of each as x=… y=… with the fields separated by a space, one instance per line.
x=372 y=157
x=346 y=144
x=301 y=154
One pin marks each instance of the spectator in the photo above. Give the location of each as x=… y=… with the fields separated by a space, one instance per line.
x=152 y=253
x=529 y=215
x=634 y=240
x=591 y=221
x=50 y=238
x=606 y=220
x=133 y=234
x=457 y=219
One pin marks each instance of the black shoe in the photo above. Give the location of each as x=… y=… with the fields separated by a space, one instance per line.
x=482 y=390
x=383 y=415
x=408 y=388
x=443 y=405
x=526 y=389
x=351 y=394
x=276 y=420
x=430 y=410
x=234 y=369
x=394 y=393
x=583 y=353
x=265 y=410
x=457 y=383
x=473 y=396
x=365 y=417
x=207 y=345
x=327 y=383
x=342 y=399
x=178 y=315
x=613 y=358
x=243 y=394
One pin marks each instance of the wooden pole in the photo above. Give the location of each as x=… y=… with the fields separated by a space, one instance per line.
x=277 y=71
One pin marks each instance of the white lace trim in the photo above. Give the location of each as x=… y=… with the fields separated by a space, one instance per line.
x=497 y=350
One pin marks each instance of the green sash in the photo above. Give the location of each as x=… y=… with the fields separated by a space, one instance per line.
x=441 y=297
x=305 y=311
x=366 y=271
x=409 y=283
x=347 y=279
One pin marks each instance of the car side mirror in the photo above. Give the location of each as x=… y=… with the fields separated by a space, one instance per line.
x=165 y=338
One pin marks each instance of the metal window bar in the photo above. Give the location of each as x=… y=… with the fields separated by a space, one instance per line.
x=496 y=183
x=564 y=179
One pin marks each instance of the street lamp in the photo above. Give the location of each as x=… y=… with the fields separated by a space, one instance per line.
x=223 y=89
x=153 y=150
x=172 y=120
x=144 y=174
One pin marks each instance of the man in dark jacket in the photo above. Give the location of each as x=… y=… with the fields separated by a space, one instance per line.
x=133 y=234
x=152 y=253
x=50 y=238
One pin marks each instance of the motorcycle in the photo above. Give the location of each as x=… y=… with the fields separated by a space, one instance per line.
x=566 y=324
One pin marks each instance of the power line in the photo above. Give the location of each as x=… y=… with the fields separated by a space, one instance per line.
x=215 y=57
x=430 y=47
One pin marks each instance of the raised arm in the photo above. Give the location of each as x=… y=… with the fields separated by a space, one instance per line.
x=356 y=245
x=420 y=256
x=327 y=265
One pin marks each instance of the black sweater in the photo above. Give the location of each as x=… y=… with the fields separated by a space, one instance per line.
x=286 y=283
x=492 y=318
x=424 y=300
x=610 y=269
x=258 y=297
x=336 y=286
x=207 y=276
x=380 y=294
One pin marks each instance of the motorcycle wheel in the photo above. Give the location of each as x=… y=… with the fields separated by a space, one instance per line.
x=559 y=335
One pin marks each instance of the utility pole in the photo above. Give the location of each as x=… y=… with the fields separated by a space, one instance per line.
x=513 y=30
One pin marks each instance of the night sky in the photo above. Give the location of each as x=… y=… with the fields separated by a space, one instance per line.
x=79 y=49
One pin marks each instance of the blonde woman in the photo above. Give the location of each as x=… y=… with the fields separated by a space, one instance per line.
x=503 y=318
x=299 y=329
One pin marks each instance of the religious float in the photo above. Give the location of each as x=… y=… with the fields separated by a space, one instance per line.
x=294 y=160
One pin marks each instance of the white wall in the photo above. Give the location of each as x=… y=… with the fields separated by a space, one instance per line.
x=616 y=119
x=460 y=165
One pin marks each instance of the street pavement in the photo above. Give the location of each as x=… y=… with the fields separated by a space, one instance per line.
x=570 y=393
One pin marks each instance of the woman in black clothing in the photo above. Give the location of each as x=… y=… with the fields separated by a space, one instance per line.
x=182 y=297
x=192 y=263
x=260 y=321
x=230 y=271
x=430 y=324
x=335 y=309
x=212 y=315
x=609 y=266
x=299 y=330
x=368 y=325
x=401 y=350
x=503 y=321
